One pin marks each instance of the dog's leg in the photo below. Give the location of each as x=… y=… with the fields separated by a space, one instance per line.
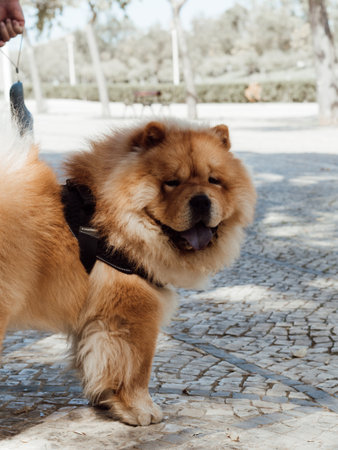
x=115 y=352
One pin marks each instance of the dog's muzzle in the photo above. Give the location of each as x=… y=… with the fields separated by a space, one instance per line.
x=200 y=208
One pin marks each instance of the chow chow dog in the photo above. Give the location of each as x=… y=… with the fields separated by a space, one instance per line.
x=168 y=196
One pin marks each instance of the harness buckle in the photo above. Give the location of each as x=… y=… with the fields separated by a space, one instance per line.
x=89 y=231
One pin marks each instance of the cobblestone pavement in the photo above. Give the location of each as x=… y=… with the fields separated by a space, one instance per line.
x=249 y=363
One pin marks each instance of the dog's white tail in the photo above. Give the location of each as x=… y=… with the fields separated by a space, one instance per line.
x=15 y=150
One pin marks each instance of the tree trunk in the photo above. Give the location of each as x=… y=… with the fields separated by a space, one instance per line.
x=324 y=53
x=100 y=78
x=175 y=58
x=36 y=82
x=70 y=39
x=191 y=96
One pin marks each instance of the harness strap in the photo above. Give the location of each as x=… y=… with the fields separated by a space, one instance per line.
x=79 y=207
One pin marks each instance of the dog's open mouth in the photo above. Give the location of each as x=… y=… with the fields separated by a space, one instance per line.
x=196 y=238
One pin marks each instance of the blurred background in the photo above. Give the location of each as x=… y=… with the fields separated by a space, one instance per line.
x=175 y=51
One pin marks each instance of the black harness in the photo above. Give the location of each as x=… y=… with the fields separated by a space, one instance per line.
x=79 y=207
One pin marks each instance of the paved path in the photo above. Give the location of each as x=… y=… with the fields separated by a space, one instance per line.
x=249 y=363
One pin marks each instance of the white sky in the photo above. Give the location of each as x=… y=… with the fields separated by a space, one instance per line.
x=148 y=12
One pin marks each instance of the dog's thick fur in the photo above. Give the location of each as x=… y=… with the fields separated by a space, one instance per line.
x=170 y=196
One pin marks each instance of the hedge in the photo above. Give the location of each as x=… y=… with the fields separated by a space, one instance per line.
x=272 y=91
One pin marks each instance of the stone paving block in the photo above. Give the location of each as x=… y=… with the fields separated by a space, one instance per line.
x=244 y=411
x=264 y=404
x=260 y=421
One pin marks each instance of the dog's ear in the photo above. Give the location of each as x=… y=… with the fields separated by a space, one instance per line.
x=152 y=134
x=222 y=132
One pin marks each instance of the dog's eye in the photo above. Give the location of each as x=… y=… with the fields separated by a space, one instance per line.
x=172 y=183
x=213 y=180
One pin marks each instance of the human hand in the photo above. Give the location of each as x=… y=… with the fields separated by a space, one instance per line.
x=12 y=20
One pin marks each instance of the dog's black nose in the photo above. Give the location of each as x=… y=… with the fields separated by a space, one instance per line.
x=200 y=207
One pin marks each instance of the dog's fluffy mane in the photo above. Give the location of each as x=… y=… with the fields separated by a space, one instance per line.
x=105 y=167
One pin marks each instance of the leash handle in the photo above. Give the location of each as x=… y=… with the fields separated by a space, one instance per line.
x=20 y=114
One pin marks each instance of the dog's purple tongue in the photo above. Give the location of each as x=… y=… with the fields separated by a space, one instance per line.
x=198 y=236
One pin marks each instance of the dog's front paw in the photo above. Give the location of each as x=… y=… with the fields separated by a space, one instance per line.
x=139 y=410
x=145 y=415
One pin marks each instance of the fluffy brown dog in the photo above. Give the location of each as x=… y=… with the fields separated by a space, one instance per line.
x=170 y=197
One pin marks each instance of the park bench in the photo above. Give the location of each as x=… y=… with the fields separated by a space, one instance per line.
x=147 y=99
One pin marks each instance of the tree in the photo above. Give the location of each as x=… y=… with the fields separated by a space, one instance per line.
x=36 y=81
x=95 y=55
x=325 y=60
x=213 y=42
x=191 y=96
x=48 y=10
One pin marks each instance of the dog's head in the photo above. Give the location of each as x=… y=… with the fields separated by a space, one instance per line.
x=173 y=197
x=200 y=185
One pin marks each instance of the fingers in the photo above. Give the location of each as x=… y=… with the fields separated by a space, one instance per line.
x=17 y=27
x=8 y=30
x=3 y=32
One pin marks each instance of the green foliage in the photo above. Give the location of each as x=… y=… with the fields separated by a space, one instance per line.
x=274 y=36
x=291 y=91
x=272 y=91
x=270 y=37
x=47 y=11
x=219 y=93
